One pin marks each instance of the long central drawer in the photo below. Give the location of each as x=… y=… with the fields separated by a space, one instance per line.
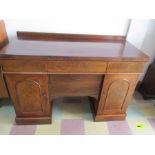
x=76 y=66
x=74 y=85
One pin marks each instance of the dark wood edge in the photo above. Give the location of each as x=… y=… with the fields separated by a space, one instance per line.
x=4 y=43
x=33 y=120
x=138 y=85
x=4 y=101
x=5 y=39
x=74 y=58
x=22 y=35
x=93 y=106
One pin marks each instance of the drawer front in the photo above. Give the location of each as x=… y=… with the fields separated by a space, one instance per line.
x=125 y=67
x=23 y=66
x=63 y=78
x=75 y=85
x=77 y=66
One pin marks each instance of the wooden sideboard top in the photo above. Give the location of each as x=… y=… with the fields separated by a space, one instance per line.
x=71 y=47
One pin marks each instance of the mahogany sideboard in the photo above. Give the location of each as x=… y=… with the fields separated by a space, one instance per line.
x=39 y=67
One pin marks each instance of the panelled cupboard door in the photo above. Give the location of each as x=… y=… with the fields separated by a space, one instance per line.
x=116 y=92
x=29 y=94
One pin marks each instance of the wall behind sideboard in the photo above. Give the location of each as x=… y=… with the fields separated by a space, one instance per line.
x=142 y=35
x=91 y=25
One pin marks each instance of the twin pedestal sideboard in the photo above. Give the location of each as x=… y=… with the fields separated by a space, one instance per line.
x=39 y=67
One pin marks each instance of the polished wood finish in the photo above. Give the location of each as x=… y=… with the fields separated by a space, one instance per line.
x=116 y=92
x=77 y=66
x=29 y=94
x=23 y=66
x=66 y=37
x=125 y=67
x=36 y=72
x=75 y=85
x=66 y=50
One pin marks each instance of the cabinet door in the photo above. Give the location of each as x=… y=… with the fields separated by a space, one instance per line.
x=29 y=94
x=116 y=93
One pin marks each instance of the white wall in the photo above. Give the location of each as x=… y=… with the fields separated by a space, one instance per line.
x=142 y=35
x=63 y=24
x=137 y=31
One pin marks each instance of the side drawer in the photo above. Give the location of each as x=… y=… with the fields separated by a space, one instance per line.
x=23 y=66
x=76 y=66
x=125 y=67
